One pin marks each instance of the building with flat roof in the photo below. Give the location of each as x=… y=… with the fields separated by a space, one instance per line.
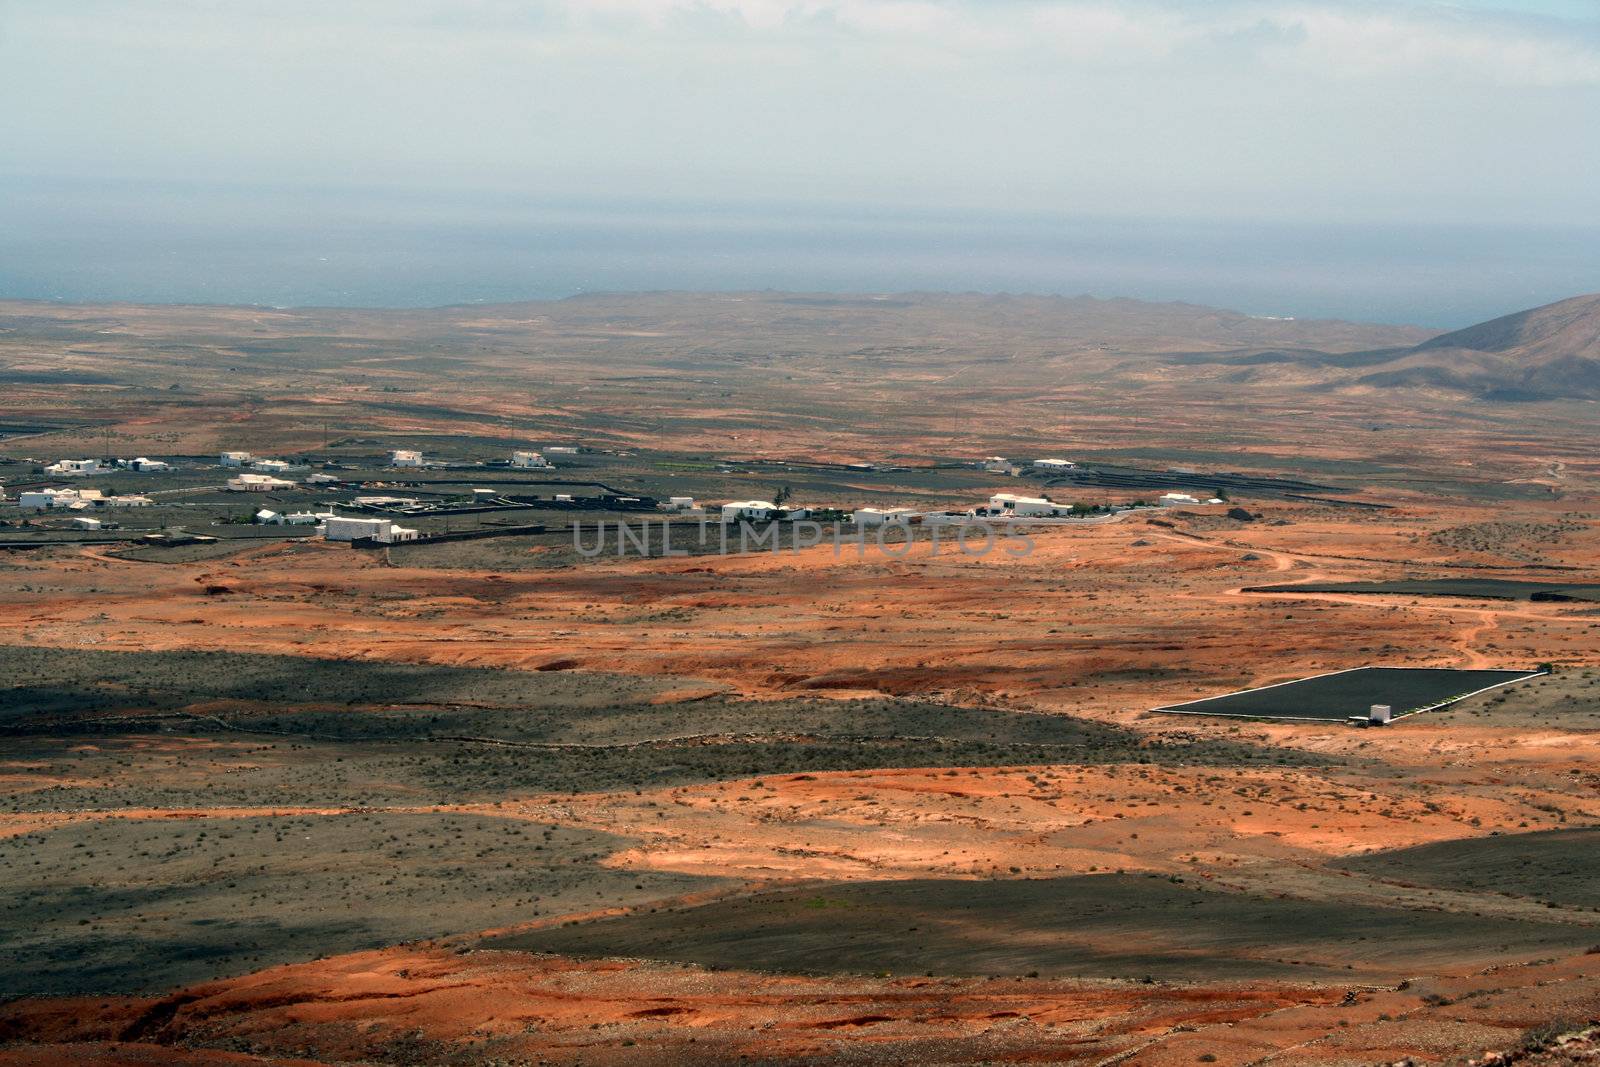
x=1009 y=505
x=257 y=483
x=73 y=468
x=883 y=516
x=47 y=498
x=340 y=528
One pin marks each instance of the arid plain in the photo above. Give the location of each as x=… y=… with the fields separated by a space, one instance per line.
x=286 y=801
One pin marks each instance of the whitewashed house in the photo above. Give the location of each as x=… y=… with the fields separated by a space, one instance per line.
x=883 y=516
x=235 y=459
x=84 y=523
x=562 y=450
x=529 y=461
x=760 y=511
x=1009 y=505
x=148 y=466
x=268 y=517
x=340 y=528
x=1168 y=500
x=748 y=511
x=270 y=466
x=73 y=468
x=1054 y=465
x=257 y=483
x=405 y=457
x=47 y=498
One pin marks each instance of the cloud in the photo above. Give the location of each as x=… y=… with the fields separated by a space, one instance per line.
x=1119 y=105
x=1331 y=38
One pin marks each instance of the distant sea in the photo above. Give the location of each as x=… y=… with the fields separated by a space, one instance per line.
x=107 y=241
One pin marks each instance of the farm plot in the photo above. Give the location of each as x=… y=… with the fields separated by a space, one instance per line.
x=1343 y=694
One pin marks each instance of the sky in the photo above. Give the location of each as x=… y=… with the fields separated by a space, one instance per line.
x=1208 y=107
x=1305 y=112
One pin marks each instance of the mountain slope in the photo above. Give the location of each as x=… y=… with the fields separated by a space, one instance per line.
x=1550 y=352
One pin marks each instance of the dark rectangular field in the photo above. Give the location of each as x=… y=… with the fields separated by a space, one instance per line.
x=1477 y=588
x=1338 y=696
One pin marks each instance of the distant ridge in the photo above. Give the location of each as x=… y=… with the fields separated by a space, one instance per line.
x=1550 y=352
x=1544 y=353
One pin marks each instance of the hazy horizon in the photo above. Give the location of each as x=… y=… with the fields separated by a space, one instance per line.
x=1412 y=161
x=148 y=243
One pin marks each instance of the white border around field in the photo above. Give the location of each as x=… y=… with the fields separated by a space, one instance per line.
x=1178 y=709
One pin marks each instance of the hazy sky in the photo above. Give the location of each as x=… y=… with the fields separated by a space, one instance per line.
x=1286 y=109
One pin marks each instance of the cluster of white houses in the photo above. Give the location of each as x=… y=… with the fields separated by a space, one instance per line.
x=84 y=468
x=77 y=499
x=1000 y=506
x=1002 y=465
x=264 y=475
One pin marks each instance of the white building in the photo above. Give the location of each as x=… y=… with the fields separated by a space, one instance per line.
x=677 y=503
x=562 y=450
x=270 y=466
x=1009 y=505
x=338 y=528
x=267 y=517
x=83 y=523
x=1054 y=465
x=148 y=466
x=760 y=511
x=528 y=460
x=881 y=516
x=320 y=479
x=235 y=459
x=309 y=518
x=74 y=468
x=131 y=500
x=257 y=483
x=405 y=457
x=997 y=464
x=748 y=510
x=1168 y=500
x=47 y=498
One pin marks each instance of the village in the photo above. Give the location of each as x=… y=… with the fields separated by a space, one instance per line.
x=407 y=495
